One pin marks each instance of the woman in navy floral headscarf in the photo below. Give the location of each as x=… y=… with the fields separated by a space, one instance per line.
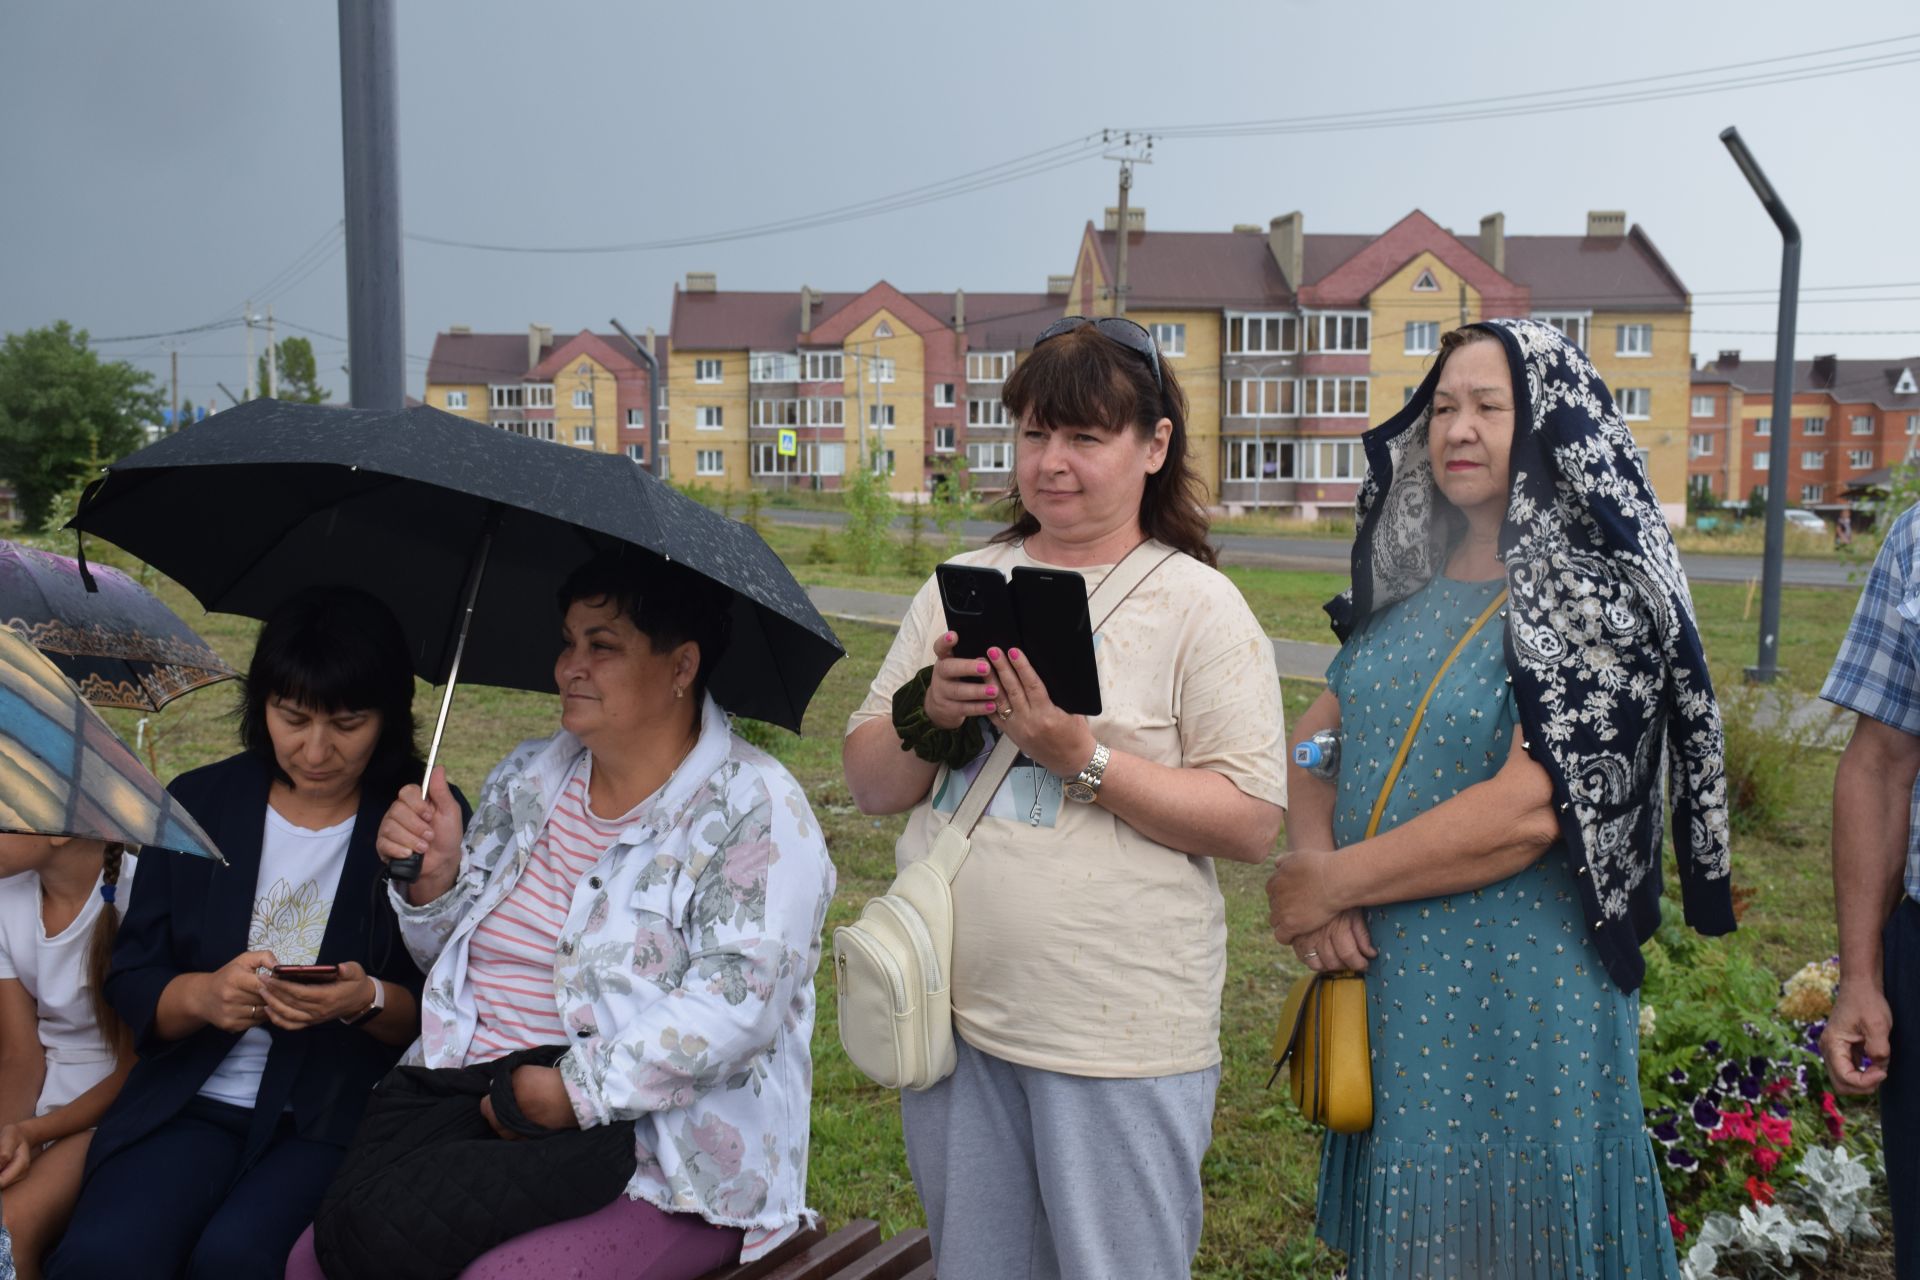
x=1498 y=867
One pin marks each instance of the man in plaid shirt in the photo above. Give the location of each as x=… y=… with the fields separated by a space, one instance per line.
x=1872 y=1039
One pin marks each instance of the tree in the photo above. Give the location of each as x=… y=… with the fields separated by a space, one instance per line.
x=59 y=404
x=298 y=373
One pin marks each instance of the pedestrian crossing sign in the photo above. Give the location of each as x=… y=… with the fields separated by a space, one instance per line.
x=789 y=443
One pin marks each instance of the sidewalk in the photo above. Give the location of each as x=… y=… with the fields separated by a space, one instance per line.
x=1305 y=660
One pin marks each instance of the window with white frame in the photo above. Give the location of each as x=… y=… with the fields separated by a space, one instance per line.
x=1913 y=424
x=583 y=434
x=636 y=453
x=1338 y=460
x=511 y=396
x=1171 y=339
x=943 y=439
x=880 y=369
x=1423 y=337
x=706 y=371
x=1635 y=402
x=823 y=411
x=1859 y=459
x=1262 y=397
x=1339 y=331
x=1861 y=424
x=709 y=462
x=986 y=413
x=880 y=415
x=1812 y=459
x=707 y=417
x=773 y=366
x=1760 y=460
x=823 y=366
x=1702 y=407
x=1333 y=397
x=1257 y=334
x=1813 y=493
x=1701 y=445
x=1760 y=490
x=508 y=424
x=1701 y=485
x=943 y=395
x=1813 y=426
x=636 y=419
x=883 y=462
x=539 y=395
x=1633 y=340
x=1763 y=426
x=990 y=455
x=1571 y=324
x=583 y=398
x=775 y=413
x=989 y=366
x=540 y=428
x=1264 y=459
x=809 y=459
x=456 y=399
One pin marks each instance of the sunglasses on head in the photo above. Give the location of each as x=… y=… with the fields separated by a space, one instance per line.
x=1128 y=333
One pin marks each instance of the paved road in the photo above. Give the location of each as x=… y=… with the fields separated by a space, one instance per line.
x=1329 y=555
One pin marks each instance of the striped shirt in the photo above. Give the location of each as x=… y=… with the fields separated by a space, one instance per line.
x=513 y=947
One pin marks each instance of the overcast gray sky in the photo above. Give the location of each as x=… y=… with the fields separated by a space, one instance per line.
x=162 y=161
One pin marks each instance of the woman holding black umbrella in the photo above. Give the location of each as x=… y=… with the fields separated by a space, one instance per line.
x=636 y=907
x=248 y=1086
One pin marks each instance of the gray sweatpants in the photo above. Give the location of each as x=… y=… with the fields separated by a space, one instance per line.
x=1034 y=1175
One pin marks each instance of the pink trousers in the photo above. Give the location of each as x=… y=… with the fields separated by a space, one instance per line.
x=627 y=1240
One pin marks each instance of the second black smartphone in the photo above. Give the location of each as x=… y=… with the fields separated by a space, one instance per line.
x=979 y=607
x=1056 y=635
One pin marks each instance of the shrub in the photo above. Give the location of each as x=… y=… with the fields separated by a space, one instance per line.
x=1761 y=748
x=865 y=536
x=821 y=550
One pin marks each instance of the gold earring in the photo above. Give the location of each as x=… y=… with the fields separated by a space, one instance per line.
x=679 y=691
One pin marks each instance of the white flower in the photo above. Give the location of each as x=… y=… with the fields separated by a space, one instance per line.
x=1646 y=1021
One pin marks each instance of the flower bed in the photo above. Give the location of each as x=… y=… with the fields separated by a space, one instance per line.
x=1766 y=1172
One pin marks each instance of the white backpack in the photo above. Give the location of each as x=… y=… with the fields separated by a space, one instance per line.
x=893 y=968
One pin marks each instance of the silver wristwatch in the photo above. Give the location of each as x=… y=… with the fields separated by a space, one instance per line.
x=1084 y=787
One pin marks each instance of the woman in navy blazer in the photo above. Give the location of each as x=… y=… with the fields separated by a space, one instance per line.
x=248 y=1086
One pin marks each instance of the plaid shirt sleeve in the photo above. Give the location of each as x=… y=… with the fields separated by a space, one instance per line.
x=1877 y=672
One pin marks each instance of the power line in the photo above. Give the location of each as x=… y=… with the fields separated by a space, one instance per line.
x=167 y=333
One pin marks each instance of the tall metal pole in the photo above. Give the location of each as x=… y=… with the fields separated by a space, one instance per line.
x=273 y=359
x=1781 y=438
x=369 y=144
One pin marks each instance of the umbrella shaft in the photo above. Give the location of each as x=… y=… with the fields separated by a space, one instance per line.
x=475 y=573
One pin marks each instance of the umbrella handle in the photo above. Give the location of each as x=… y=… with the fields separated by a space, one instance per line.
x=407 y=870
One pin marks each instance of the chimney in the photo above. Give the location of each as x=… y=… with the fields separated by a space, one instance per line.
x=959 y=310
x=539 y=337
x=1603 y=223
x=806 y=308
x=1059 y=286
x=1136 y=217
x=1825 y=370
x=701 y=282
x=459 y=328
x=1246 y=228
x=1287 y=239
x=1493 y=241
x=1728 y=360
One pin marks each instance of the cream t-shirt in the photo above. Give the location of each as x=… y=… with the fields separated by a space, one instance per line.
x=1080 y=945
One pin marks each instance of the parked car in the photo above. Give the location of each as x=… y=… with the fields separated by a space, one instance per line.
x=1805 y=521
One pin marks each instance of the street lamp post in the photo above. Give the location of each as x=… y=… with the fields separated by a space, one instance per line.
x=1781 y=438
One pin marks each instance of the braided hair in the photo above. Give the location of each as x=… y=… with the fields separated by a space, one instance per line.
x=106 y=927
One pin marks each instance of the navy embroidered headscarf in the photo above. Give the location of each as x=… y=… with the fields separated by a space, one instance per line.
x=1602 y=647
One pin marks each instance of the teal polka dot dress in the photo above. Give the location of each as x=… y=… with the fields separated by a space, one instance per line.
x=1507 y=1137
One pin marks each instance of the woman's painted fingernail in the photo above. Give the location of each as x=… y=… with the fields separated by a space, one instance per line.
x=1015 y=655
x=983 y=668
x=991 y=691
x=994 y=653
x=989 y=706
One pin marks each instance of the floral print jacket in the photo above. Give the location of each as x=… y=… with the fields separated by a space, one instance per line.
x=684 y=974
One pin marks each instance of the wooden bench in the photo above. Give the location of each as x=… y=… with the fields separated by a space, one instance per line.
x=854 y=1252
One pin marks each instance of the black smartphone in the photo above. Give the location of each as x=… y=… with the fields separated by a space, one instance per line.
x=307 y=974
x=1056 y=635
x=979 y=607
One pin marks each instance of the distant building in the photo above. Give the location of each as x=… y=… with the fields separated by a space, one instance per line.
x=1290 y=345
x=910 y=381
x=590 y=390
x=1850 y=418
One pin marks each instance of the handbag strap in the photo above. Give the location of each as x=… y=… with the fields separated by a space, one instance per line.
x=1420 y=711
x=1121 y=581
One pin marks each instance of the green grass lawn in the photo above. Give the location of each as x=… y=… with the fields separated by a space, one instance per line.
x=1261 y=1172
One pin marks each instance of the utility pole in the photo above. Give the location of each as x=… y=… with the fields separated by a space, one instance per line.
x=1132 y=151
x=369 y=145
x=248 y=384
x=1463 y=303
x=173 y=415
x=860 y=400
x=1773 y=564
x=273 y=358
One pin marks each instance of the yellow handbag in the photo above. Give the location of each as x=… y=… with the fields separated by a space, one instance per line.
x=1322 y=1037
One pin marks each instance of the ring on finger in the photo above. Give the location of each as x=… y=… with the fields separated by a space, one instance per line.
x=1312 y=954
x=1005 y=713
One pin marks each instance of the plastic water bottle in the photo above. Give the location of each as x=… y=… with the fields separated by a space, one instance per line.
x=1320 y=754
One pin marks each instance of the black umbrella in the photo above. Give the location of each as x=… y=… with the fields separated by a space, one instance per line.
x=444 y=520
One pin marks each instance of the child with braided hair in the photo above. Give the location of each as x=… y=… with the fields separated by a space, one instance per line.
x=64 y=1053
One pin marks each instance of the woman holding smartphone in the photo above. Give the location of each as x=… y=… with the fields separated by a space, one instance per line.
x=265 y=998
x=1089 y=932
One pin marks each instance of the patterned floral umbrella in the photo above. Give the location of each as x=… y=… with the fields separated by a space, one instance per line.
x=64 y=773
x=116 y=641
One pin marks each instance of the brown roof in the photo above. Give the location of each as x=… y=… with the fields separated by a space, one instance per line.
x=502 y=357
x=1010 y=321
x=1226 y=269
x=747 y=320
x=1323 y=253
x=1847 y=381
x=1624 y=273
